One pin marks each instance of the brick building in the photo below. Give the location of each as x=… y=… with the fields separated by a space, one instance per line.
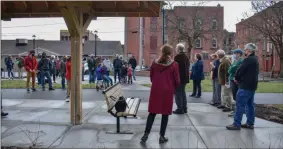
x=269 y=60
x=209 y=17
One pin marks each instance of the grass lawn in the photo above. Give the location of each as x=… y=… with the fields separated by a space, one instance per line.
x=263 y=87
x=10 y=84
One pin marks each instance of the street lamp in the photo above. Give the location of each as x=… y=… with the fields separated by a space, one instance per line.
x=33 y=37
x=95 y=42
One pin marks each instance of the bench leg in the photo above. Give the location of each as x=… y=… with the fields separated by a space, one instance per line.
x=118 y=128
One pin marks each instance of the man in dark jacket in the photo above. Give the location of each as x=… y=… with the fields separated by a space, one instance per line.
x=180 y=93
x=117 y=64
x=44 y=66
x=247 y=79
x=10 y=66
x=63 y=71
x=92 y=62
x=53 y=68
x=133 y=62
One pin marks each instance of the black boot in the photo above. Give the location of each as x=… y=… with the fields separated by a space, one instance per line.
x=163 y=140
x=4 y=114
x=144 y=138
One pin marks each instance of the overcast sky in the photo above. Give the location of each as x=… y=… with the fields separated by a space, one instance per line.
x=108 y=28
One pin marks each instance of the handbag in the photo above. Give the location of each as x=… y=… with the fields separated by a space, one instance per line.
x=121 y=104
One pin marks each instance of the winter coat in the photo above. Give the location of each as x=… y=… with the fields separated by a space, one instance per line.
x=30 y=63
x=133 y=62
x=21 y=62
x=247 y=73
x=117 y=63
x=165 y=79
x=107 y=63
x=233 y=68
x=197 y=71
x=223 y=75
x=216 y=63
x=91 y=64
x=53 y=66
x=99 y=73
x=9 y=63
x=130 y=71
x=44 y=64
x=63 y=68
x=184 y=66
x=68 y=70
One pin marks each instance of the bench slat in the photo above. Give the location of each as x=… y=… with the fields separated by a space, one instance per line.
x=132 y=111
x=116 y=92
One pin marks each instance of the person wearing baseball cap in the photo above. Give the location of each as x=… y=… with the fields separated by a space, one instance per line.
x=237 y=61
x=247 y=79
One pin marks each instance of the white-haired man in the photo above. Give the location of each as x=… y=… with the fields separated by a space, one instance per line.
x=180 y=93
x=247 y=79
x=223 y=78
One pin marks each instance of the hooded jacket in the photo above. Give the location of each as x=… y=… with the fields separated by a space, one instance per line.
x=30 y=63
x=223 y=74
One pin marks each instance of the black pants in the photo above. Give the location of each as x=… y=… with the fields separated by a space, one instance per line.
x=196 y=87
x=181 y=98
x=234 y=88
x=150 y=120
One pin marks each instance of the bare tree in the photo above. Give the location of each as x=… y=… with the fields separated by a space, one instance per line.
x=192 y=24
x=267 y=24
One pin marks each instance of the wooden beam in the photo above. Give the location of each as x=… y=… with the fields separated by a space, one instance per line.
x=25 y=4
x=47 y=5
x=87 y=18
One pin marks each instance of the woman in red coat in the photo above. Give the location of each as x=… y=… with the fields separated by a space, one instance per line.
x=164 y=75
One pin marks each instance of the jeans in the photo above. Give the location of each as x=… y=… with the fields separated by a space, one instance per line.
x=181 y=98
x=196 y=87
x=47 y=75
x=226 y=97
x=245 y=101
x=134 y=74
x=216 y=98
x=117 y=72
x=234 y=88
x=107 y=79
x=150 y=120
x=92 y=76
x=38 y=78
x=10 y=72
x=63 y=79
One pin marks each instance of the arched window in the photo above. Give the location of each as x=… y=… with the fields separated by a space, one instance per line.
x=199 y=24
x=214 y=42
x=214 y=24
x=198 y=43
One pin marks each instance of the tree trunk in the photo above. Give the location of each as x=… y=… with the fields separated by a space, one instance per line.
x=281 y=67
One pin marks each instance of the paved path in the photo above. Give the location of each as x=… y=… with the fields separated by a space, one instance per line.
x=129 y=91
x=202 y=127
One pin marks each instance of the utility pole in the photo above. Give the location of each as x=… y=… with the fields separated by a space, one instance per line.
x=141 y=44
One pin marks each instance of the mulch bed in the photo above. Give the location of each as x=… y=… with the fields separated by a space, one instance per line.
x=270 y=113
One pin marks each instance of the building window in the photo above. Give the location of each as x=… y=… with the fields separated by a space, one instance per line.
x=214 y=42
x=214 y=24
x=199 y=24
x=229 y=41
x=153 y=43
x=153 y=23
x=181 y=23
x=198 y=43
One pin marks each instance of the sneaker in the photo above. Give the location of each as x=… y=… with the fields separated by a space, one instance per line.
x=33 y=89
x=226 y=109
x=192 y=95
x=233 y=127
x=28 y=90
x=221 y=107
x=67 y=100
x=51 y=89
x=178 y=111
x=247 y=126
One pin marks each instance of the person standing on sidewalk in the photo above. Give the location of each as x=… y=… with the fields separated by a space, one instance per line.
x=44 y=66
x=91 y=68
x=238 y=60
x=184 y=65
x=133 y=63
x=247 y=79
x=223 y=77
x=30 y=64
x=165 y=78
x=68 y=78
x=117 y=64
x=197 y=75
x=63 y=71
x=58 y=62
x=53 y=68
x=10 y=67
x=216 y=98
x=20 y=66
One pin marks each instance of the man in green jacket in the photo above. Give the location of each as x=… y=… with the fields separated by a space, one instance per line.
x=238 y=60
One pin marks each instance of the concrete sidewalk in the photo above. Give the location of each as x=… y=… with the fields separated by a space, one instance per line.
x=47 y=121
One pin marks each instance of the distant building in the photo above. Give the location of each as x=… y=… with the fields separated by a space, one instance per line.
x=152 y=38
x=58 y=48
x=229 y=41
x=89 y=35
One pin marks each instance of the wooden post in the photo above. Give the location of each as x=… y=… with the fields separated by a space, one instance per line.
x=77 y=21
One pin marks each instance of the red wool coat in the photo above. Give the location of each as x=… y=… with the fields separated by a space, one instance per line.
x=165 y=79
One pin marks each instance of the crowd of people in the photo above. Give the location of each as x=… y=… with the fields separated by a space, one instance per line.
x=235 y=78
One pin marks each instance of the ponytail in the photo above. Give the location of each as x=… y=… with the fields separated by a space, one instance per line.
x=166 y=51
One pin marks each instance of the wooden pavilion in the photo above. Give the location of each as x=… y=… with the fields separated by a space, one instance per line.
x=78 y=15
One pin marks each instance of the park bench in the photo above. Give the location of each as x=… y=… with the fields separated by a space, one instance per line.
x=112 y=95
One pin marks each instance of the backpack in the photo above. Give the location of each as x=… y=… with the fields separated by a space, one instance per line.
x=121 y=105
